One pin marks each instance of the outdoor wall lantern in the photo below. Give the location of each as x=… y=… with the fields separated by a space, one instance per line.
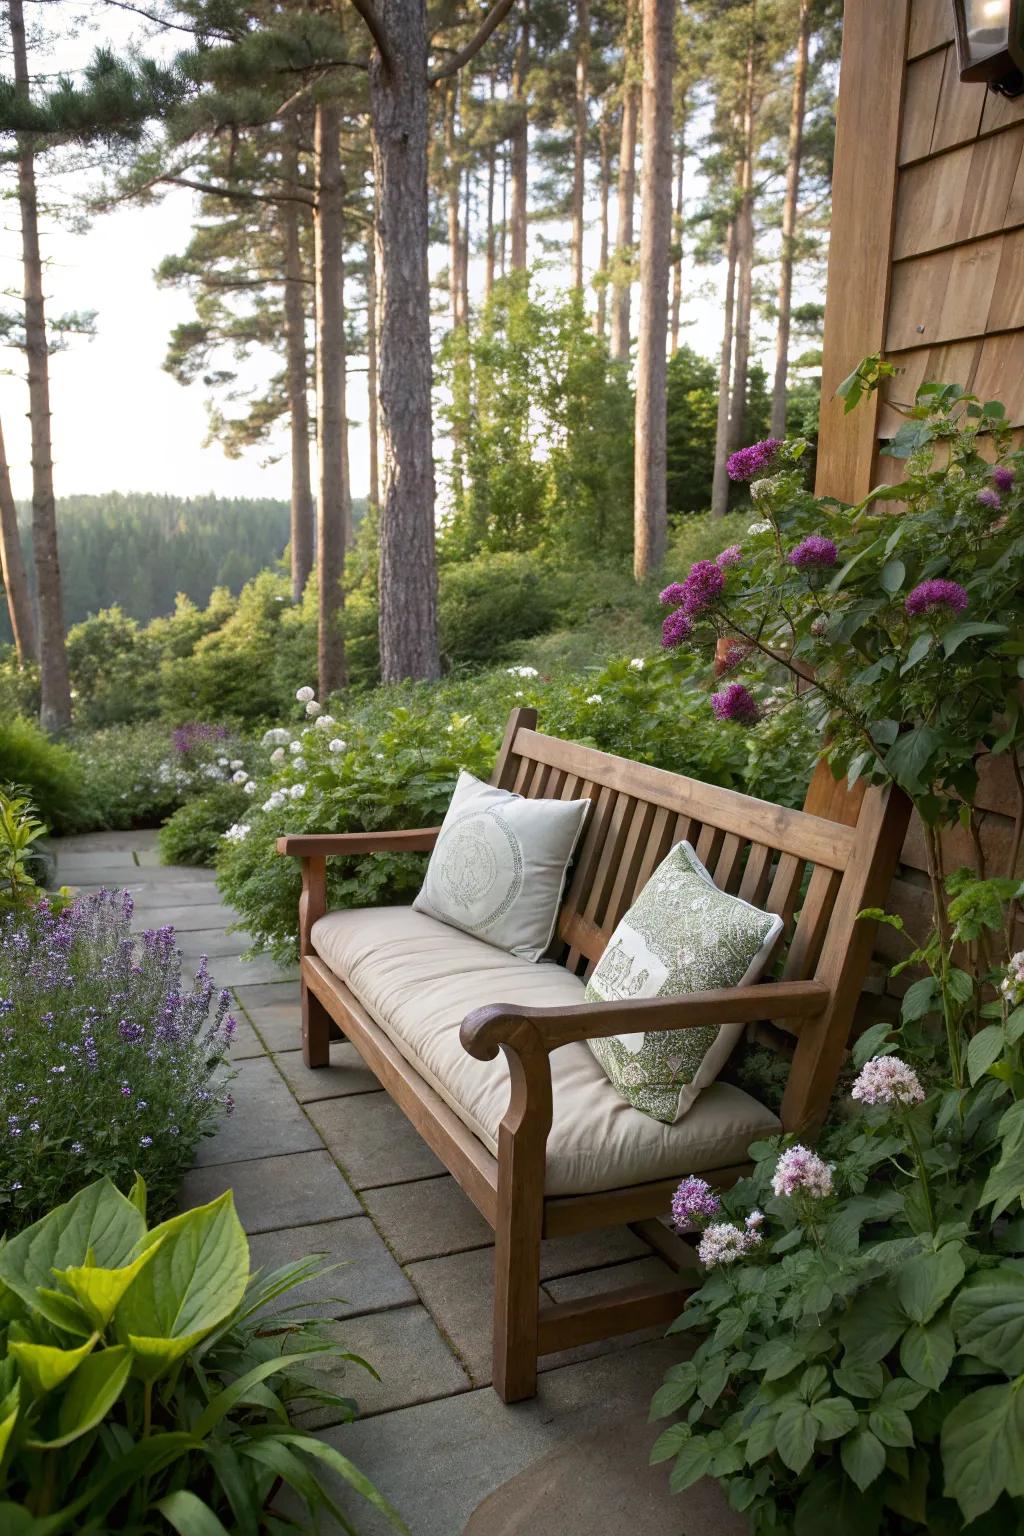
x=990 y=43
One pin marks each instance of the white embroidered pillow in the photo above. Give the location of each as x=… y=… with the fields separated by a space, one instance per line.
x=682 y=934
x=499 y=865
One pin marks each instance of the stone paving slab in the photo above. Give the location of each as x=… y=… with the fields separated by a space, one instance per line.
x=367 y=1279
x=200 y=917
x=266 y=1123
x=296 y=1189
x=372 y=1141
x=427 y=1219
x=409 y=1355
x=215 y=943
x=236 y=972
x=244 y=1042
x=346 y=1075
x=279 y=1025
x=98 y=842
x=267 y=994
x=437 y=1461
x=650 y=1271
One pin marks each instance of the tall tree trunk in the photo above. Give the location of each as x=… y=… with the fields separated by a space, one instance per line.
x=744 y=251
x=650 y=507
x=297 y=383
x=54 y=683
x=720 y=483
x=579 y=169
x=12 y=568
x=371 y=370
x=626 y=195
x=452 y=178
x=519 y=149
x=789 y=216
x=330 y=394
x=408 y=573
x=503 y=245
x=605 y=179
x=677 y=240
x=464 y=250
x=491 y=246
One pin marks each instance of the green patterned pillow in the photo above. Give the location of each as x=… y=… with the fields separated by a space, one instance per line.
x=682 y=934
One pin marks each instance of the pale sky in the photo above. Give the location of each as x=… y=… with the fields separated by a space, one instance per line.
x=120 y=423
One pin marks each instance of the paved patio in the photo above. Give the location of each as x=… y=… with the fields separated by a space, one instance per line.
x=322 y=1162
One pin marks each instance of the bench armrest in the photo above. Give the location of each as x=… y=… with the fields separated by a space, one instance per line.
x=484 y=1030
x=320 y=845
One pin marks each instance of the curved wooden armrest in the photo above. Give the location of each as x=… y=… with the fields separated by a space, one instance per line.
x=320 y=845
x=484 y=1030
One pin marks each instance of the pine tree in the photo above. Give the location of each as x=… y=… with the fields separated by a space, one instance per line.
x=12 y=569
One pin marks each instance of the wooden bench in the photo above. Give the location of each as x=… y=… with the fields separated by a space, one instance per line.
x=817 y=871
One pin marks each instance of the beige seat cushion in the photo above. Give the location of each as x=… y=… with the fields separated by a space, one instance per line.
x=419 y=978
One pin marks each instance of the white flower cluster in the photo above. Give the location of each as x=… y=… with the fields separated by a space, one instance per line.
x=724 y=1242
x=887 y=1080
x=522 y=671
x=1012 y=984
x=238 y=833
x=278 y=737
x=594 y=698
x=638 y=663
x=761 y=527
x=798 y=1169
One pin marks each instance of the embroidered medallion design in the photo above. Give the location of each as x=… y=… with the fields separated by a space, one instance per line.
x=479 y=867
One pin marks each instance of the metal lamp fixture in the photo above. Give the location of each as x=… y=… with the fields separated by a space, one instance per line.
x=990 y=43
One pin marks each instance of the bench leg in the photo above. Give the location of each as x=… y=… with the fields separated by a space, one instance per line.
x=316 y=1030
x=516 y=1279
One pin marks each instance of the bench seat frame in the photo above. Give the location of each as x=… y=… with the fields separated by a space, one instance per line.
x=638 y=812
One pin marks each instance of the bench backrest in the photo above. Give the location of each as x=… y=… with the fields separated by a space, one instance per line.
x=816 y=872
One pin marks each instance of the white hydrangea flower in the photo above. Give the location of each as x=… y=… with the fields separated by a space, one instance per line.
x=336 y=746
x=522 y=671
x=313 y=708
x=238 y=833
x=236 y=763
x=209 y=772
x=271 y=804
x=295 y=747
x=762 y=527
x=277 y=756
x=240 y=777
x=594 y=698
x=305 y=694
x=638 y=663
x=250 y=787
x=517 y=695
x=222 y=762
x=299 y=763
x=324 y=722
x=278 y=737
x=297 y=791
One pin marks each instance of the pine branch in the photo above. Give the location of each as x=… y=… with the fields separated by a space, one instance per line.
x=493 y=19
x=171 y=26
x=240 y=194
x=371 y=19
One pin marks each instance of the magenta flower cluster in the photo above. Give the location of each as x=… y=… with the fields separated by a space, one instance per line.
x=694 y=1203
x=691 y=598
x=196 y=733
x=1002 y=478
x=735 y=703
x=814 y=552
x=747 y=463
x=731 y=556
x=936 y=593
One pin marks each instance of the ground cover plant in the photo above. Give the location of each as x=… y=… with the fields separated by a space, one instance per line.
x=145 y=1385
x=138 y=775
x=109 y=1061
x=864 y=1303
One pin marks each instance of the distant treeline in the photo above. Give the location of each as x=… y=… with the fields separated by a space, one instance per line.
x=141 y=550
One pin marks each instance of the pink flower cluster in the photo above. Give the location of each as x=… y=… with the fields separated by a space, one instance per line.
x=800 y=1170
x=736 y=703
x=1002 y=478
x=887 y=1080
x=694 y=1203
x=725 y=1242
x=731 y=556
x=990 y=498
x=690 y=598
x=814 y=552
x=937 y=593
x=746 y=463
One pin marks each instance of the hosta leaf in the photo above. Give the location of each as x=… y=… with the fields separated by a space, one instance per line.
x=189 y=1515
x=926 y=1351
x=99 y=1291
x=44 y=1368
x=988 y=1316
x=796 y=1430
x=981 y=1441
x=194 y=1282
x=863 y=1458
x=7 y=1429
x=93 y=1391
x=924 y=1282
x=97 y=1218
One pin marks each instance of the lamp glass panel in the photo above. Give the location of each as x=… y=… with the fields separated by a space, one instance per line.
x=986 y=28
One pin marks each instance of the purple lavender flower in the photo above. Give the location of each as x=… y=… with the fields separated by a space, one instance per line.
x=673 y=595
x=736 y=703
x=733 y=555
x=693 y=1203
x=937 y=593
x=990 y=498
x=1003 y=478
x=145 y=1141
x=746 y=463
x=676 y=628
x=701 y=588
x=813 y=551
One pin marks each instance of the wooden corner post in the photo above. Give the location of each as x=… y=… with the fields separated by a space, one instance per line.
x=316 y=1021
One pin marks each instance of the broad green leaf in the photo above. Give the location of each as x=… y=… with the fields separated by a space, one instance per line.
x=836 y=1416
x=93 y=1391
x=669 y=1442
x=869 y=1043
x=873 y=1325
x=863 y=1458
x=1006 y=1181
x=920 y=998
x=194 y=1282
x=138 y=1195
x=98 y=1218
x=777 y=1358
x=99 y=1291
x=988 y=1316
x=922 y=644
x=761 y=1436
x=7 y=1429
x=831 y=1505
x=892 y=575
x=984 y=1050
x=908 y=759
x=955 y=637
x=859 y=1378
x=189 y=1515
x=891 y=1425
x=692 y=1463
x=796 y=1430
x=923 y=1283
x=678 y=1387
x=44 y=1368
x=926 y=1351
x=981 y=1448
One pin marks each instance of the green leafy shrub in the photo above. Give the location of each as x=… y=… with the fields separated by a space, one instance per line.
x=144 y=1384
x=108 y=1060
x=391 y=758
x=19 y=686
x=46 y=770
x=193 y=834
x=112 y=662
x=23 y=865
x=138 y=775
x=486 y=604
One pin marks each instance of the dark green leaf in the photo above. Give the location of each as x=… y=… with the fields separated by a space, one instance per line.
x=777 y=1358
x=669 y=1442
x=892 y=575
x=692 y=1463
x=918 y=651
x=796 y=1430
x=863 y=1457
x=859 y=1378
x=955 y=637
x=926 y=1351
x=983 y=1051
x=891 y=1425
x=835 y=1415
x=873 y=1325
x=981 y=1448
x=923 y=1283
x=1006 y=1181
x=909 y=758
x=189 y=1515
x=988 y=1316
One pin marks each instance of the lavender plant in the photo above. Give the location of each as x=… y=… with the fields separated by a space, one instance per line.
x=110 y=1063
